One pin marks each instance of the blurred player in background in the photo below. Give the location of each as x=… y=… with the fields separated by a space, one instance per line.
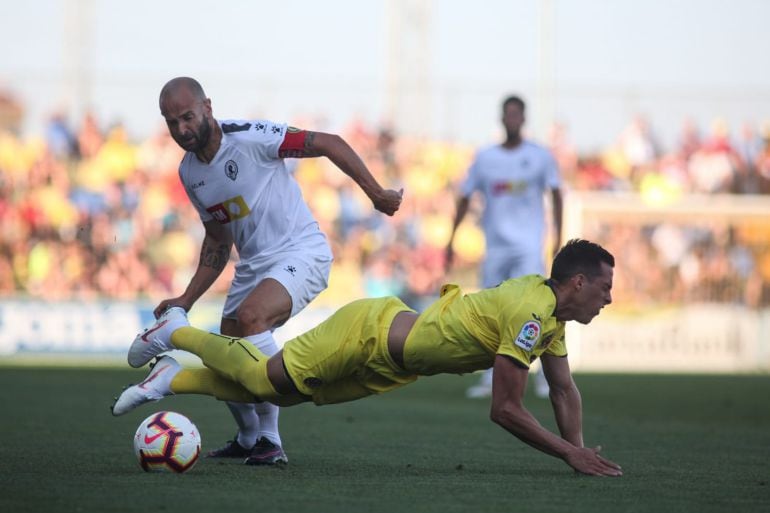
x=512 y=178
x=236 y=178
x=373 y=346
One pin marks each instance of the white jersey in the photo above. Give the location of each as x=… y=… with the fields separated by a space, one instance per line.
x=247 y=188
x=513 y=183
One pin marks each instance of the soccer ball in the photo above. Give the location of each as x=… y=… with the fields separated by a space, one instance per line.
x=167 y=442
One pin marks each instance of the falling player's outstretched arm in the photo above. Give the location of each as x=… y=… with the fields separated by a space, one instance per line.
x=565 y=398
x=508 y=386
x=303 y=144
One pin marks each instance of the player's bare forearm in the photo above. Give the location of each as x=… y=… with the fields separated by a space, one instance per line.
x=344 y=157
x=509 y=381
x=525 y=427
x=558 y=209
x=568 y=410
x=215 y=253
x=565 y=398
x=522 y=424
x=214 y=256
x=460 y=211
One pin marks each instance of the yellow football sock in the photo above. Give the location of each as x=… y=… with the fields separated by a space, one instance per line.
x=233 y=359
x=192 y=339
x=208 y=382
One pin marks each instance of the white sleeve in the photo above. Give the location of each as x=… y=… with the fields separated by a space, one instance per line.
x=472 y=181
x=262 y=137
x=552 y=176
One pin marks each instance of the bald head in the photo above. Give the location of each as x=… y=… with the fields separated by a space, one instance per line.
x=188 y=116
x=182 y=84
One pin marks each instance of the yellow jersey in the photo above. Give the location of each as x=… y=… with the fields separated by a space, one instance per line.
x=462 y=333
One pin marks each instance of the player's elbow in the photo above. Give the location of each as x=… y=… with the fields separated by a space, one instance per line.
x=503 y=414
x=495 y=415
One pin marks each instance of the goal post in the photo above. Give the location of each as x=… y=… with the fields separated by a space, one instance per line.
x=692 y=282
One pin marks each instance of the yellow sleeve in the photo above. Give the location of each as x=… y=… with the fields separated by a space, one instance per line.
x=519 y=332
x=558 y=347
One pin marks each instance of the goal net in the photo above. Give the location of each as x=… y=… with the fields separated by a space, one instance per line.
x=692 y=282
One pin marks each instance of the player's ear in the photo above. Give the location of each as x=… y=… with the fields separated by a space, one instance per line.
x=578 y=281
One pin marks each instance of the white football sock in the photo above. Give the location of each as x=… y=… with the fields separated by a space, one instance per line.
x=248 y=423
x=541 y=384
x=266 y=412
x=486 y=378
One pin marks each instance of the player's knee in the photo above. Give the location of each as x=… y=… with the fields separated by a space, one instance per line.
x=252 y=321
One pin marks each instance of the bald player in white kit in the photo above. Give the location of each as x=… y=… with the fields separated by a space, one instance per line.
x=236 y=178
x=513 y=178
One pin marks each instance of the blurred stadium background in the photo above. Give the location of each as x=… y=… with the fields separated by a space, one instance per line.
x=671 y=174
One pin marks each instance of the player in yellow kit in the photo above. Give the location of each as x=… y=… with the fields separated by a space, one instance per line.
x=372 y=346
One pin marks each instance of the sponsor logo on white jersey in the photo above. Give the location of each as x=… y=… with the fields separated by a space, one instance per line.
x=229 y=210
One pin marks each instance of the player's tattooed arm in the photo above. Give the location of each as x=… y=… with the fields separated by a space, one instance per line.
x=215 y=255
x=298 y=144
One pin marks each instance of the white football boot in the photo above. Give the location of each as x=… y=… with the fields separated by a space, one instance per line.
x=155 y=386
x=157 y=338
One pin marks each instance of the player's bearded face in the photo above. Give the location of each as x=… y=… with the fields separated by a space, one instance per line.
x=195 y=138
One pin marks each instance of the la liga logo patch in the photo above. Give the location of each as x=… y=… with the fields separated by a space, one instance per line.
x=528 y=335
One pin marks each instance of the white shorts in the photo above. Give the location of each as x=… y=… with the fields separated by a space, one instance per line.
x=304 y=275
x=500 y=265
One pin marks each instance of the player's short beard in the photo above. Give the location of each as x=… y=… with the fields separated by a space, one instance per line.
x=203 y=135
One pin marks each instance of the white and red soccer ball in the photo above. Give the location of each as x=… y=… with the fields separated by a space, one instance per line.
x=167 y=441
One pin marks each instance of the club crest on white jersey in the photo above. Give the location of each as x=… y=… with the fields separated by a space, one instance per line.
x=231 y=169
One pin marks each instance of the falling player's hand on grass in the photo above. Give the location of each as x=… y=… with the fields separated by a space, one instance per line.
x=587 y=460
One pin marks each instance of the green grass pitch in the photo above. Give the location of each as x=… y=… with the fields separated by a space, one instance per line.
x=686 y=444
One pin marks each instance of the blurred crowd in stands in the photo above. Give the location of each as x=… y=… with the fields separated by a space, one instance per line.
x=87 y=213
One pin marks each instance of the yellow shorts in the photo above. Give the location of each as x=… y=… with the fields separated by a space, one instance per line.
x=346 y=357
